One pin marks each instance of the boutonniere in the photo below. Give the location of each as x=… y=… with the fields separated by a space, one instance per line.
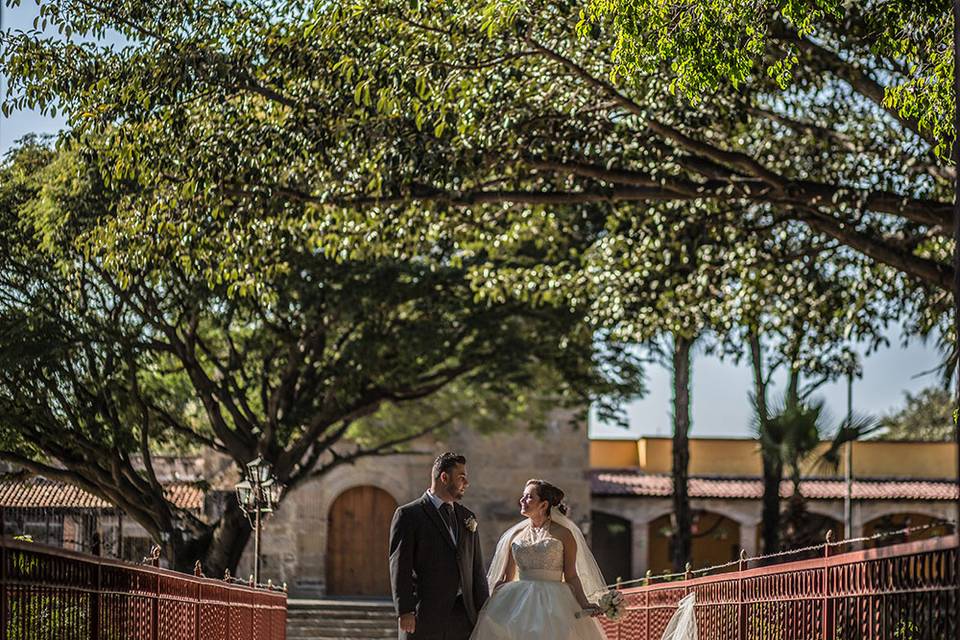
x=471 y=524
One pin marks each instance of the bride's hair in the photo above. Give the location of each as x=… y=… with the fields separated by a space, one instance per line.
x=551 y=493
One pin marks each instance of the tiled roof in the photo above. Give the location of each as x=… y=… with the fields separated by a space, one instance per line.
x=42 y=493
x=630 y=482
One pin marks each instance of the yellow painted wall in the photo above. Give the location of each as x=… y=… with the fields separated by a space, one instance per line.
x=613 y=454
x=905 y=459
x=729 y=457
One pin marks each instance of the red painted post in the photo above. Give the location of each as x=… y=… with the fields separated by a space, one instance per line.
x=741 y=608
x=155 y=611
x=646 y=612
x=825 y=586
x=95 y=605
x=196 y=617
x=229 y=605
x=3 y=584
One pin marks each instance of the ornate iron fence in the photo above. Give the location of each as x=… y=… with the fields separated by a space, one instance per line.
x=902 y=592
x=51 y=594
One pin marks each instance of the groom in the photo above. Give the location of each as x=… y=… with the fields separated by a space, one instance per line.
x=436 y=568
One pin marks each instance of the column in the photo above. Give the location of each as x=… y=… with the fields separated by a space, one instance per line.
x=748 y=539
x=641 y=548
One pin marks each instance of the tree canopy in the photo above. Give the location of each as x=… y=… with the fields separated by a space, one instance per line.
x=343 y=359
x=391 y=127
x=586 y=163
x=893 y=54
x=927 y=415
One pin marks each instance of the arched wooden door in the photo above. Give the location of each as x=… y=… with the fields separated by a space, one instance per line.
x=358 y=541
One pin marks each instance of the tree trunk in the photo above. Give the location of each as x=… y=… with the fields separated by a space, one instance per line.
x=227 y=541
x=772 y=468
x=683 y=518
x=218 y=547
x=956 y=251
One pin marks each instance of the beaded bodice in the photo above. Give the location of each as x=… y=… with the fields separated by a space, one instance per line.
x=538 y=555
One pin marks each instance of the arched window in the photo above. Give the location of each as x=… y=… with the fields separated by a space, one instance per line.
x=716 y=540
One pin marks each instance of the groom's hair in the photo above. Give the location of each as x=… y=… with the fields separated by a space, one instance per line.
x=446 y=462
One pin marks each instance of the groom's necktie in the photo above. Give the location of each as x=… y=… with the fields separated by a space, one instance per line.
x=446 y=512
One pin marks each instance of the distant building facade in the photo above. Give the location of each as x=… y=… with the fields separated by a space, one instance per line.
x=66 y=516
x=896 y=485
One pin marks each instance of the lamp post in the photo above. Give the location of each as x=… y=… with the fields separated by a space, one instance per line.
x=258 y=493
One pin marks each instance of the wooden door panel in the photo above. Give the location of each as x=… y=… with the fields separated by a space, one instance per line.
x=357 y=543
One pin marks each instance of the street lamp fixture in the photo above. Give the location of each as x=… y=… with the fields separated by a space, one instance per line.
x=258 y=493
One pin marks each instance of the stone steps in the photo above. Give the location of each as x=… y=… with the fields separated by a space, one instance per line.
x=336 y=619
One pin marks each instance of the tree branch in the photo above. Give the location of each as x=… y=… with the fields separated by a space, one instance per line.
x=730 y=158
x=858 y=79
x=929 y=271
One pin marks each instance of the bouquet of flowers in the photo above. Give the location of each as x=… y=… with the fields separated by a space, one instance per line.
x=612 y=605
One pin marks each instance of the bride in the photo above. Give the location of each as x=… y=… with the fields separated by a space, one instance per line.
x=544 y=581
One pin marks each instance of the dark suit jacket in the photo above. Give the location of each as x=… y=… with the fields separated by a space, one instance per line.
x=426 y=569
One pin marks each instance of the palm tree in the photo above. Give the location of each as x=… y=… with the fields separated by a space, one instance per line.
x=680 y=469
x=790 y=439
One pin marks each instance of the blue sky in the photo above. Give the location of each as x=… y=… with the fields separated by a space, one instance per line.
x=720 y=403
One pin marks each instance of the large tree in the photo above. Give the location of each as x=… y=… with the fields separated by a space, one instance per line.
x=801 y=327
x=494 y=130
x=927 y=415
x=383 y=113
x=313 y=363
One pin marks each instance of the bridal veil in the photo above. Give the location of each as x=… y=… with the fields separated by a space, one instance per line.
x=590 y=576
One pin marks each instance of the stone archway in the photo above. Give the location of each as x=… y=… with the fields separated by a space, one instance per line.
x=895 y=523
x=817 y=524
x=358 y=531
x=716 y=541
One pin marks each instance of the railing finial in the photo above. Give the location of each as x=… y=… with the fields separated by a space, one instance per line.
x=686 y=571
x=154 y=557
x=198 y=569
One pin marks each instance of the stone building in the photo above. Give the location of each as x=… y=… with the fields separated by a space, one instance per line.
x=330 y=535
x=63 y=515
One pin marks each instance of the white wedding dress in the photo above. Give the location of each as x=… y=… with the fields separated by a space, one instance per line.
x=538 y=605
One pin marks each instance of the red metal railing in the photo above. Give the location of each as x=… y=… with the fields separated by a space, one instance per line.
x=902 y=592
x=51 y=594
